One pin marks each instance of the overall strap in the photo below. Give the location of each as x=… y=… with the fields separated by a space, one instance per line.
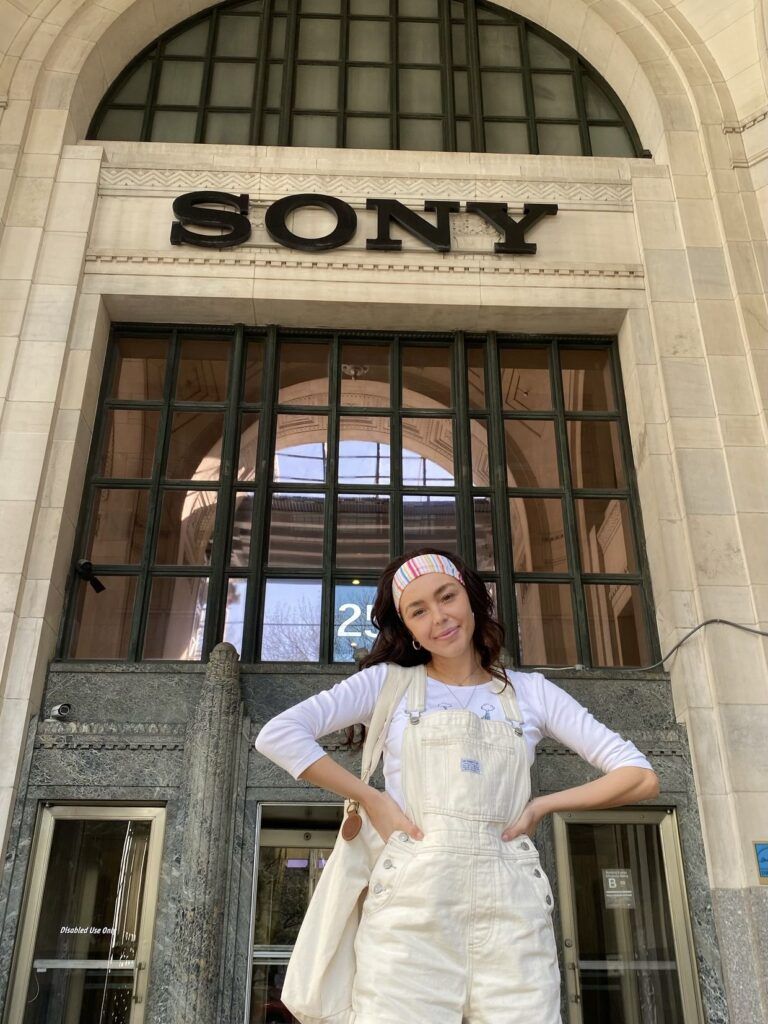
x=417 y=694
x=510 y=706
x=399 y=679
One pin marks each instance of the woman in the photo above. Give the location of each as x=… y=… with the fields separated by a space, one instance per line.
x=456 y=925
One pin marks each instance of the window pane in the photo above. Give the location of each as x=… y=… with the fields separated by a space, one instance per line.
x=118 y=526
x=427 y=452
x=102 y=627
x=463 y=137
x=538 y=535
x=368 y=89
x=291 y=628
x=249 y=444
x=240 y=548
x=544 y=55
x=610 y=141
x=617 y=630
x=562 y=139
x=427 y=374
x=502 y=94
x=269 y=130
x=553 y=96
x=599 y=107
x=139 y=368
x=369 y=41
x=254 y=372
x=605 y=536
x=369 y=7
x=89 y=922
x=191 y=43
x=364 y=453
x=180 y=83
x=417 y=8
x=296 y=531
x=303 y=373
x=531 y=453
x=237 y=37
x=368 y=133
x=475 y=356
x=234 y=614
x=174 y=126
x=484 y=549
x=352 y=627
x=499 y=45
x=459 y=47
x=545 y=624
x=187 y=521
x=301 y=449
x=430 y=519
x=365 y=375
x=418 y=43
x=506 y=138
x=595 y=453
x=461 y=93
x=319 y=39
x=121 y=125
x=587 y=380
x=277 y=38
x=228 y=129
x=362 y=531
x=134 y=89
x=421 y=135
x=481 y=470
x=317 y=87
x=195 y=448
x=320 y=6
x=176 y=618
x=232 y=85
x=421 y=92
x=203 y=371
x=274 y=85
x=129 y=444
x=525 y=381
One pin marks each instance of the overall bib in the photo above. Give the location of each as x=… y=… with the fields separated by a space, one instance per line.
x=457 y=927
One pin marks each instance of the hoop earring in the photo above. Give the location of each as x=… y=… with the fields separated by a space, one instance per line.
x=415 y=645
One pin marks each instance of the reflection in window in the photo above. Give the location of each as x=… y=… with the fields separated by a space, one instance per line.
x=234 y=619
x=301 y=450
x=465 y=76
x=139 y=371
x=296 y=524
x=352 y=626
x=538 y=535
x=427 y=374
x=118 y=527
x=129 y=444
x=187 y=520
x=531 y=453
x=362 y=531
x=587 y=379
x=430 y=519
x=102 y=621
x=545 y=623
x=291 y=621
x=616 y=619
x=427 y=452
x=176 y=618
x=364 y=454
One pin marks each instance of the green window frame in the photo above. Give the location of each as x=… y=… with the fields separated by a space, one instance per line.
x=541 y=500
x=443 y=75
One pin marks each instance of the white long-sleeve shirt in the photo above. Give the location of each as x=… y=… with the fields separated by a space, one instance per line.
x=290 y=739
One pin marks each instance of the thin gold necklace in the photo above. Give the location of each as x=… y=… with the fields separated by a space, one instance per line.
x=473 y=688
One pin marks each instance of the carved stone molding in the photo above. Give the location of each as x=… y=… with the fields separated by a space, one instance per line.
x=52 y=735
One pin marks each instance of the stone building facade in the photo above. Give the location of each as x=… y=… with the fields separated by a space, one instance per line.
x=663 y=256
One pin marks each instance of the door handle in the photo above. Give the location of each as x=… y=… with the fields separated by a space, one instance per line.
x=135 y=996
x=576 y=998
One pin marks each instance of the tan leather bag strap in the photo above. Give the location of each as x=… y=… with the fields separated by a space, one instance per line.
x=395 y=685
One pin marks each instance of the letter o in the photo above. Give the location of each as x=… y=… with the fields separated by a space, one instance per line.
x=278 y=212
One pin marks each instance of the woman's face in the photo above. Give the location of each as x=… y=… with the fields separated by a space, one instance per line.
x=436 y=611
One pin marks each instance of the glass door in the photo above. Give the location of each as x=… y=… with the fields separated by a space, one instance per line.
x=89 y=912
x=628 y=949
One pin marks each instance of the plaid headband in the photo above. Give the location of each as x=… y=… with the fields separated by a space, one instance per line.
x=420 y=565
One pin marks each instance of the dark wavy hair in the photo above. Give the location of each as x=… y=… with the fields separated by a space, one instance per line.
x=393 y=643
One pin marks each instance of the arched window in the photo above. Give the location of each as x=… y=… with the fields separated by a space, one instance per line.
x=449 y=75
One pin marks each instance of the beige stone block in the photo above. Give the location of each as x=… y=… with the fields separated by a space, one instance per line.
x=749 y=478
x=690 y=675
x=704 y=482
x=709 y=273
x=14 y=718
x=687 y=386
x=677 y=554
x=742 y=430
x=720 y=327
x=7 y=357
x=691 y=186
x=668 y=276
x=33 y=646
x=48 y=527
x=21 y=463
x=37 y=371
x=81 y=381
x=732 y=385
x=49 y=313
x=744 y=267
x=92 y=323
x=677 y=329
x=61 y=258
x=699 y=222
x=754 y=532
x=13 y=303
x=72 y=206
x=760 y=594
x=727 y=603
x=735 y=224
x=29 y=202
x=76 y=169
x=636 y=341
x=652 y=394
x=659 y=225
x=760 y=364
x=716 y=549
x=35 y=165
x=752 y=817
x=745 y=727
x=652 y=189
x=56 y=88
x=14 y=121
x=685 y=153
x=706 y=751
x=34 y=597
x=719 y=826
x=10 y=592
x=18 y=252
x=692 y=432
x=15 y=525
x=46 y=131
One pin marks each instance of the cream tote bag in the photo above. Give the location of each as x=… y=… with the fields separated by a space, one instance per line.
x=320 y=973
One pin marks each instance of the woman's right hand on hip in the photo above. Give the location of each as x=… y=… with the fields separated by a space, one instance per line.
x=387 y=817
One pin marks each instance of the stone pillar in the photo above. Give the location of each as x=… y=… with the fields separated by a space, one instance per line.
x=210 y=760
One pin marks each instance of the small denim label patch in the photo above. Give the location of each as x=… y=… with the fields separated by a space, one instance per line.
x=468 y=765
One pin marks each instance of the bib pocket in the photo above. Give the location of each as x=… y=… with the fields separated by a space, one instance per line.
x=469 y=776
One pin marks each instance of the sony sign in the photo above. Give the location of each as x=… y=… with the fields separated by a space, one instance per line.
x=194 y=209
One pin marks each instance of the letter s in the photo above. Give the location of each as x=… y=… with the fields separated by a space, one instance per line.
x=191 y=209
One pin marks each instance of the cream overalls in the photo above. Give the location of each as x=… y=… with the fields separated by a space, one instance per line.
x=457 y=926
